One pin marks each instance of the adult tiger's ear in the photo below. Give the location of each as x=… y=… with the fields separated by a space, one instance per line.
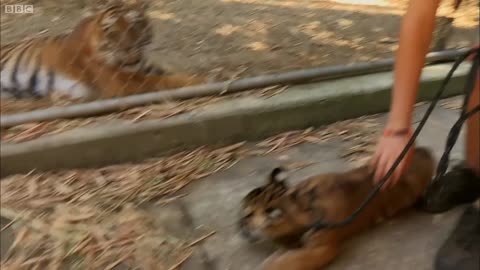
x=278 y=176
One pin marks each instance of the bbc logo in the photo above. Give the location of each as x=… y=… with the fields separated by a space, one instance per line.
x=18 y=9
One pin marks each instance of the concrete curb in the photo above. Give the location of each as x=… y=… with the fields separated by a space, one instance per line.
x=247 y=118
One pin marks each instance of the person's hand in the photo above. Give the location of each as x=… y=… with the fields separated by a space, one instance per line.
x=389 y=148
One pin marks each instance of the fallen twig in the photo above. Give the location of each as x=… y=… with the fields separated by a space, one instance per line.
x=184 y=259
x=201 y=239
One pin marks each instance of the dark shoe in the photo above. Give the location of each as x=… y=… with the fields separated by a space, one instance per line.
x=461 y=250
x=457 y=187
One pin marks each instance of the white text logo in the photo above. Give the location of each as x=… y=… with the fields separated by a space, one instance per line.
x=18 y=9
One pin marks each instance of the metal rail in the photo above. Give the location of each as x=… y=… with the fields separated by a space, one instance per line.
x=292 y=77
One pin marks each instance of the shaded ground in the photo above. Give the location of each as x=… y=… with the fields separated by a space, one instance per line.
x=250 y=37
x=225 y=37
x=159 y=203
x=259 y=36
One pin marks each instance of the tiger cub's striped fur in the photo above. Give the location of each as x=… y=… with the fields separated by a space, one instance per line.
x=284 y=214
x=102 y=57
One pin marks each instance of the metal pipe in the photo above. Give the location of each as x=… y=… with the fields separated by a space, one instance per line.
x=117 y=104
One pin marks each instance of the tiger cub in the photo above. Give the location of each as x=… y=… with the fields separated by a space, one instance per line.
x=283 y=214
x=102 y=57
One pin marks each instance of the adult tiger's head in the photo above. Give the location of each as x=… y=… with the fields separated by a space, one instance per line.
x=273 y=212
x=120 y=32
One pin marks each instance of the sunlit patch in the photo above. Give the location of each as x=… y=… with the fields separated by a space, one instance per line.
x=363 y=2
x=258 y=46
x=393 y=47
x=364 y=6
x=161 y=15
x=344 y=23
x=310 y=28
x=227 y=30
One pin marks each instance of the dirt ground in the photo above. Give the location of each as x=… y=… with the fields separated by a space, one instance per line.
x=73 y=214
x=234 y=38
x=64 y=218
x=252 y=37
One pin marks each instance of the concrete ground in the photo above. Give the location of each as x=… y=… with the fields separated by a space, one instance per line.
x=407 y=242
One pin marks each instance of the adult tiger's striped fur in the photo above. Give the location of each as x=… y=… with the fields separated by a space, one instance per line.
x=102 y=57
x=283 y=214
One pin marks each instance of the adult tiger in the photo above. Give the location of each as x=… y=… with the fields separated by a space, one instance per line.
x=102 y=57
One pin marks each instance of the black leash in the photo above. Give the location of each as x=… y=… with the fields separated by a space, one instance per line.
x=464 y=115
x=451 y=140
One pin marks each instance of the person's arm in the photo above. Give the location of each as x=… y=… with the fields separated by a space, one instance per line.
x=415 y=36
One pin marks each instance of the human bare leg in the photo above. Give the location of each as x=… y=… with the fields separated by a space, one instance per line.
x=473 y=131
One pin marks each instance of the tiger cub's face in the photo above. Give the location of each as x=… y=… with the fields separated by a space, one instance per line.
x=269 y=212
x=125 y=32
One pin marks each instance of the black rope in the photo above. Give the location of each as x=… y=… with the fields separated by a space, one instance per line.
x=319 y=224
x=457 y=127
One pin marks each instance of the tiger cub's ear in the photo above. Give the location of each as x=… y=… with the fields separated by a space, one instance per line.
x=278 y=176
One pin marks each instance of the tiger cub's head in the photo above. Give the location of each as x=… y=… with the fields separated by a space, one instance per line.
x=272 y=212
x=122 y=31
